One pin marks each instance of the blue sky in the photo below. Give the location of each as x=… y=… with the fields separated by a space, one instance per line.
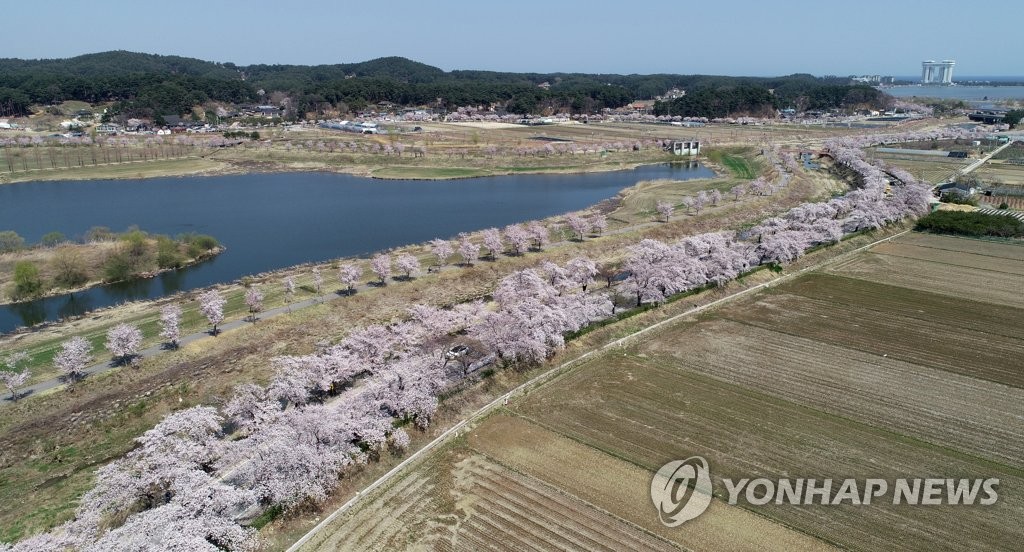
x=596 y=36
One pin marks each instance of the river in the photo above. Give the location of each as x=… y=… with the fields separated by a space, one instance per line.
x=273 y=221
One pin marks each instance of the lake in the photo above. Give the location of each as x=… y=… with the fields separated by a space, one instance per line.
x=273 y=221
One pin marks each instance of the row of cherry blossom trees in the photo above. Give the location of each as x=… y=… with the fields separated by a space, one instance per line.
x=195 y=478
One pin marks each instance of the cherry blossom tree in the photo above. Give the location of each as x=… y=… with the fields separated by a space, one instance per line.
x=581 y=271
x=442 y=249
x=539 y=234
x=409 y=264
x=700 y=200
x=599 y=223
x=170 y=325
x=782 y=247
x=518 y=238
x=348 y=275
x=381 y=266
x=665 y=210
x=399 y=440
x=211 y=305
x=11 y=377
x=578 y=224
x=254 y=300
x=74 y=355
x=737 y=191
x=318 y=283
x=715 y=197
x=469 y=251
x=555 y=275
x=493 y=242
x=289 y=291
x=533 y=315
x=123 y=342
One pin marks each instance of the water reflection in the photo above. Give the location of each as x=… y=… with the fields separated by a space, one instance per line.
x=29 y=313
x=75 y=304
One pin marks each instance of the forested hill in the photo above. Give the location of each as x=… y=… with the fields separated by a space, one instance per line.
x=146 y=85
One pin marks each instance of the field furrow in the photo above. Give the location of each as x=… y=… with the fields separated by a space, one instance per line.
x=944 y=409
x=967 y=245
x=951 y=257
x=953 y=312
x=1000 y=288
x=644 y=412
x=939 y=343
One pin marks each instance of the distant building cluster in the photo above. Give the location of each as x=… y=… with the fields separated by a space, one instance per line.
x=937 y=72
x=874 y=79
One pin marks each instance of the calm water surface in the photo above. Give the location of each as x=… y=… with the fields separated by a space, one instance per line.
x=272 y=221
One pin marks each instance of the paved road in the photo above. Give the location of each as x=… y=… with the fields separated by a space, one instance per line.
x=152 y=351
x=970 y=168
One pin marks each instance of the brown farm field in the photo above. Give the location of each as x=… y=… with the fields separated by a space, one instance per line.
x=887 y=365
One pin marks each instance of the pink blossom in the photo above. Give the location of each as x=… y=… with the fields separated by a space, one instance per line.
x=469 y=251
x=74 y=355
x=493 y=242
x=123 y=342
x=442 y=249
x=211 y=305
x=348 y=275
x=170 y=324
x=254 y=300
x=409 y=265
x=518 y=238
x=578 y=224
x=665 y=210
x=381 y=266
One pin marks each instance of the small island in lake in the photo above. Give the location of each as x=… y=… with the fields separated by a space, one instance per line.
x=58 y=265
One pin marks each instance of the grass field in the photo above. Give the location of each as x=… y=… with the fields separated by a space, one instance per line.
x=839 y=373
x=737 y=161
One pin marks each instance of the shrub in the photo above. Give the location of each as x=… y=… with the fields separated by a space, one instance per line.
x=1004 y=205
x=168 y=254
x=52 y=239
x=11 y=241
x=971 y=224
x=958 y=198
x=27 y=283
x=99 y=233
x=68 y=269
x=198 y=244
x=118 y=266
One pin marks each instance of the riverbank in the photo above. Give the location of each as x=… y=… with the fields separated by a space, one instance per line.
x=631 y=210
x=223 y=166
x=439 y=151
x=67 y=268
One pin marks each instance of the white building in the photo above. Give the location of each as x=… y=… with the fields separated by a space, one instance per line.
x=937 y=72
x=689 y=147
